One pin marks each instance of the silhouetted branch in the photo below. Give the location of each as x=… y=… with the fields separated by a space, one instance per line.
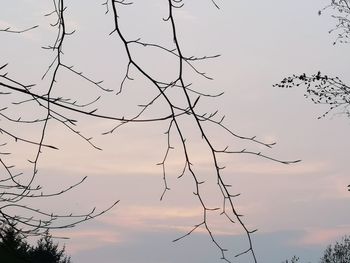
x=342 y=15
x=10 y=30
x=322 y=89
x=182 y=102
x=175 y=128
x=16 y=189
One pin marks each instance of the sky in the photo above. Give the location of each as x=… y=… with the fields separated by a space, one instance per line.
x=298 y=209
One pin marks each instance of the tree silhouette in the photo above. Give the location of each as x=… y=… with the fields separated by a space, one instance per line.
x=12 y=247
x=294 y=259
x=342 y=13
x=15 y=249
x=320 y=88
x=172 y=100
x=337 y=253
x=47 y=251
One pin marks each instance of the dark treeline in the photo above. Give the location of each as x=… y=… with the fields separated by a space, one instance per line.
x=14 y=248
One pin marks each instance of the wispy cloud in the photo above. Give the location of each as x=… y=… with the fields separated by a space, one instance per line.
x=147 y=217
x=179 y=220
x=91 y=239
x=323 y=236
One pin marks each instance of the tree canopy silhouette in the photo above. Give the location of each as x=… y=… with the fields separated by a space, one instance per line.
x=15 y=249
x=322 y=88
x=337 y=253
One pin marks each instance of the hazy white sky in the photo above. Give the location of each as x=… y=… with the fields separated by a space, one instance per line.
x=298 y=209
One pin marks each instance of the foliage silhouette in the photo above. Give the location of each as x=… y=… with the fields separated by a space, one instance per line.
x=337 y=253
x=12 y=247
x=321 y=88
x=342 y=15
x=294 y=259
x=46 y=251
x=15 y=249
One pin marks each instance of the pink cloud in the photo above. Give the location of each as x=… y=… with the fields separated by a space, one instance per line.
x=90 y=239
x=144 y=216
x=323 y=236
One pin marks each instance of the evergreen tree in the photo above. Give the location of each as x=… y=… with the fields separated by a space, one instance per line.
x=339 y=253
x=48 y=252
x=12 y=247
x=15 y=249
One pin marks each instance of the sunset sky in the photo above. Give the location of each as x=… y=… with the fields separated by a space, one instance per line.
x=298 y=209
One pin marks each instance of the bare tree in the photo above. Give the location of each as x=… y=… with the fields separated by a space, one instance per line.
x=18 y=188
x=176 y=97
